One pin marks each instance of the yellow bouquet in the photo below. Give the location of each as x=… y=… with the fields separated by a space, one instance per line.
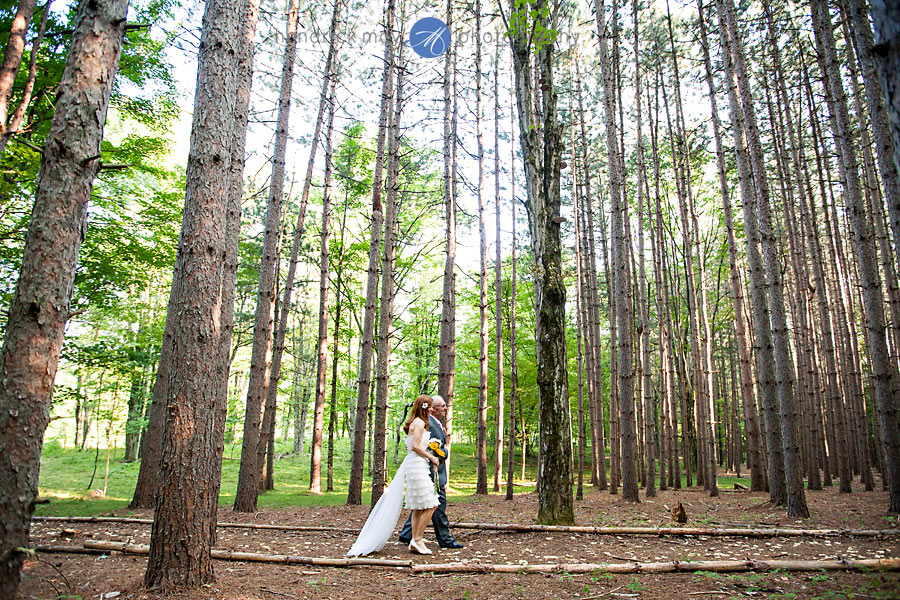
x=435 y=447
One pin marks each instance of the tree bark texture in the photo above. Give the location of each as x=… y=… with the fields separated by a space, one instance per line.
x=329 y=73
x=255 y=437
x=540 y=137
x=354 y=495
x=883 y=371
x=481 y=441
x=40 y=305
x=190 y=466
x=386 y=310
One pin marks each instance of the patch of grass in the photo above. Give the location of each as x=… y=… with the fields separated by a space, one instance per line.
x=66 y=472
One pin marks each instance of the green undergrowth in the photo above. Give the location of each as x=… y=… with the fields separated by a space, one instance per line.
x=66 y=474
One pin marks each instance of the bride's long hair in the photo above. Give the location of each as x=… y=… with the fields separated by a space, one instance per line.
x=419 y=409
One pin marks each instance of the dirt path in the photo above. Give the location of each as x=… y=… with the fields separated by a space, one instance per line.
x=90 y=576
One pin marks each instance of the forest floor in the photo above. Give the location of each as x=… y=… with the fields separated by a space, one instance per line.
x=84 y=576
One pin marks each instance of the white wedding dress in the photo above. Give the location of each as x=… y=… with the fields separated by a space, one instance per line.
x=413 y=475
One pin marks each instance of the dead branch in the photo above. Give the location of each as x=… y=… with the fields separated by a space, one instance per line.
x=762 y=532
x=676 y=566
x=680 y=531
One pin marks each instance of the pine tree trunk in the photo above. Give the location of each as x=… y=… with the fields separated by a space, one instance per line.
x=190 y=464
x=763 y=344
x=513 y=362
x=329 y=74
x=354 y=495
x=542 y=171
x=447 y=348
x=498 y=285
x=40 y=305
x=737 y=293
x=481 y=443
x=643 y=304
x=315 y=454
x=338 y=309
x=784 y=377
x=622 y=280
x=858 y=12
x=887 y=58
x=12 y=56
x=386 y=311
x=883 y=371
x=258 y=385
x=297 y=343
x=595 y=363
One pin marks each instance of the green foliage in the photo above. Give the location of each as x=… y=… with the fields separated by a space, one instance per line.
x=65 y=473
x=528 y=20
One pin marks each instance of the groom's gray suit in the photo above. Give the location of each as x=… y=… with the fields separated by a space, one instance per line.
x=439 y=519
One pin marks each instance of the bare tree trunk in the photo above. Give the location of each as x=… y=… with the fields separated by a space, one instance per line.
x=595 y=363
x=185 y=518
x=12 y=55
x=580 y=287
x=622 y=285
x=498 y=284
x=40 y=305
x=14 y=124
x=329 y=74
x=764 y=352
x=481 y=443
x=315 y=454
x=887 y=38
x=747 y=395
x=513 y=362
x=858 y=12
x=354 y=495
x=297 y=342
x=386 y=312
x=542 y=170
x=447 y=351
x=643 y=304
x=338 y=306
x=257 y=387
x=148 y=475
x=882 y=369
x=784 y=377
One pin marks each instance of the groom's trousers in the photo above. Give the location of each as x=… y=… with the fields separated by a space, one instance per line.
x=439 y=521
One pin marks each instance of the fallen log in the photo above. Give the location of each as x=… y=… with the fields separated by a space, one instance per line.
x=679 y=531
x=762 y=532
x=287 y=559
x=675 y=566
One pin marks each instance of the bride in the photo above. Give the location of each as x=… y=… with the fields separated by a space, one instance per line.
x=420 y=494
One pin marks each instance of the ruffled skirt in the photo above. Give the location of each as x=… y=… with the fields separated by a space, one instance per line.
x=420 y=492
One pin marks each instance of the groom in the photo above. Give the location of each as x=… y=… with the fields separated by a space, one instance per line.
x=439 y=520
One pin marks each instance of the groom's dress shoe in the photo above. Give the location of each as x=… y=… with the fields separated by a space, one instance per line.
x=454 y=544
x=405 y=540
